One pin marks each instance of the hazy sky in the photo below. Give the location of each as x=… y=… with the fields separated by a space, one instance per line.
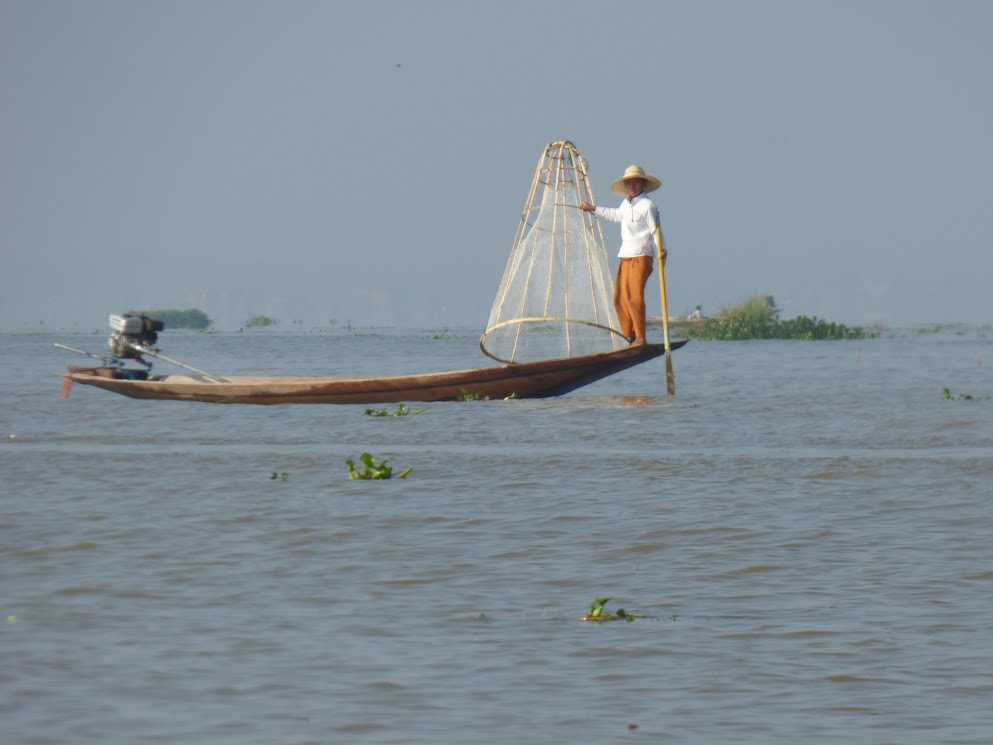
x=369 y=161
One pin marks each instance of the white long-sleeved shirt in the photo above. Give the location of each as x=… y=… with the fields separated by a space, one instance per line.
x=638 y=218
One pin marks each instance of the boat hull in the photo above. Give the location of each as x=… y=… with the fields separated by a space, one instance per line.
x=521 y=380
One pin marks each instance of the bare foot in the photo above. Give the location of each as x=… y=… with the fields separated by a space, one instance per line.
x=638 y=341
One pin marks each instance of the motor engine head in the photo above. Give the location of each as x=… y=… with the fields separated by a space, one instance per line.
x=126 y=331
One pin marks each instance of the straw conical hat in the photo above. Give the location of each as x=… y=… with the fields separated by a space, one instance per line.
x=651 y=183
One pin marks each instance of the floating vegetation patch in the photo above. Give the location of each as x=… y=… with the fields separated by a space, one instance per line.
x=465 y=395
x=256 y=322
x=959 y=329
x=755 y=318
x=596 y=614
x=372 y=469
x=402 y=410
x=935 y=328
x=283 y=476
x=949 y=396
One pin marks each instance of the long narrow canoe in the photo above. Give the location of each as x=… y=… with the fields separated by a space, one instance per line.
x=520 y=380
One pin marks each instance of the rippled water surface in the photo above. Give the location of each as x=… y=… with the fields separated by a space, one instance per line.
x=807 y=526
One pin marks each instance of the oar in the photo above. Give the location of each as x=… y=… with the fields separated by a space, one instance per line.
x=670 y=378
x=158 y=355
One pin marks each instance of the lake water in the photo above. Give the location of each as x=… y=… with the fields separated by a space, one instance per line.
x=807 y=526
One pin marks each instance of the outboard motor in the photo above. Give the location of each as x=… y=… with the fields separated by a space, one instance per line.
x=128 y=331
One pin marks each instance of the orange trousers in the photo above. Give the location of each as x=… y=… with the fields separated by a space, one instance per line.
x=629 y=295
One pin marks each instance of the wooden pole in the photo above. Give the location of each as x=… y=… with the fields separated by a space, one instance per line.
x=670 y=378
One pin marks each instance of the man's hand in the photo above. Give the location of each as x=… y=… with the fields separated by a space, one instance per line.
x=586 y=207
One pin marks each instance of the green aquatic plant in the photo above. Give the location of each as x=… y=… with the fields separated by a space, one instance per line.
x=373 y=470
x=596 y=607
x=284 y=475
x=958 y=329
x=402 y=410
x=596 y=614
x=260 y=322
x=465 y=395
x=948 y=396
x=756 y=318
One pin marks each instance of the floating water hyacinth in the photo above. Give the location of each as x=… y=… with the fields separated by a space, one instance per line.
x=595 y=613
x=373 y=470
x=757 y=318
x=947 y=396
x=402 y=410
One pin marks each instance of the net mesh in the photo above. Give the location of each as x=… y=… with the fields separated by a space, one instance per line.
x=556 y=296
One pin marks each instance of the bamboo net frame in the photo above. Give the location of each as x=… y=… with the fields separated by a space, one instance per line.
x=556 y=296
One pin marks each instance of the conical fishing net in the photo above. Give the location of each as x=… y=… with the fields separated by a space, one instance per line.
x=556 y=296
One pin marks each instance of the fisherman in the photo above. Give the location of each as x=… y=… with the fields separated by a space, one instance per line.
x=639 y=219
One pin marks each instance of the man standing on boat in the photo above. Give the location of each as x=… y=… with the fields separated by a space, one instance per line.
x=639 y=219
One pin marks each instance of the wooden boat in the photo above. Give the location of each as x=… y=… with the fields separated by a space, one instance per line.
x=554 y=305
x=519 y=380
